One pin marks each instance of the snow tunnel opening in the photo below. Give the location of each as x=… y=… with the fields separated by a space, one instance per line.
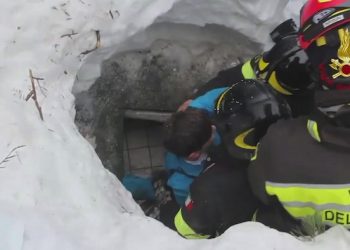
x=143 y=82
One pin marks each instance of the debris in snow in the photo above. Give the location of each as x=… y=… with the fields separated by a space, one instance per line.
x=32 y=93
x=98 y=44
x=10 y=155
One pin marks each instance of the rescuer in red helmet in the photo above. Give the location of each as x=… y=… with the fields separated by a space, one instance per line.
x=304 y=163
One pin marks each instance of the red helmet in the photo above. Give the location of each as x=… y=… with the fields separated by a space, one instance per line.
x=319 y=16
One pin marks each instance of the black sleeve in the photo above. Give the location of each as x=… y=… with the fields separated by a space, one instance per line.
x=302 y=103
x=221 y=198
x=225 y=78
x=257 y=175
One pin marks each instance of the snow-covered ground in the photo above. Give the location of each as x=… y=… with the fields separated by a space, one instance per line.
x=55 y=193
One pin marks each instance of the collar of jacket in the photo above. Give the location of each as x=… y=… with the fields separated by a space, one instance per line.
x=324 y=131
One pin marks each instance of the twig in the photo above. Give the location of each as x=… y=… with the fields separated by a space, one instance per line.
x=118 y=13
x=29 y=95
x=115 y=11
x=18 y=158
x=98 y=44
x=38 y=78
x=34 y=96
x=42 y=89
x=111 y=14
x=70 y=35
x=66 y=13
x=10 y=155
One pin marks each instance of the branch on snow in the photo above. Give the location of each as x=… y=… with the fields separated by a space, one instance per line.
x=115 y=11
x=98 y=44
x=70 y=34
x=111 y=14
x=10 y=155
x=32 y=93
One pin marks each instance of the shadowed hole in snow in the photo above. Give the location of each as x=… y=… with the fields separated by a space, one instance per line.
x=146 y=79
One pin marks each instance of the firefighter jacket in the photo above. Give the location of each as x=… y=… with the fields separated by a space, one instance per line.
x=305 y=164
x=219 y=198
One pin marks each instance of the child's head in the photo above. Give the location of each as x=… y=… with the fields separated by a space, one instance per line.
x=188 y=133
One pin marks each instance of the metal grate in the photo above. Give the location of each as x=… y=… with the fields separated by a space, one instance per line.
x=143 y=150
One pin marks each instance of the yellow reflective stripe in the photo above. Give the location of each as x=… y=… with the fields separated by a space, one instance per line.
x=313 y=130
x=247 y=71
x=340 y=11
x=317 y=194
x=321 y=41
x=332 y=202
x=300 y=212
x=218 y=103
x=262 y=64
x=239 y=140
x=276 y=85
x=185 y=230
x=330 y=217
x=324 y=1
x=255 y=153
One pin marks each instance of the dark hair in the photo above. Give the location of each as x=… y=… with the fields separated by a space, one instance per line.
x=187 y=131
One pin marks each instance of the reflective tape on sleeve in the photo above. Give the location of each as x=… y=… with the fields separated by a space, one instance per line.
x=185 y=230
x=247 y=71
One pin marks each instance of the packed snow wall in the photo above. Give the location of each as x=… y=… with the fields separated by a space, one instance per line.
x=55 y=192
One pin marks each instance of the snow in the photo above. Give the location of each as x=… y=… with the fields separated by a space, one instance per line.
x=55 y=192
x=253 y=18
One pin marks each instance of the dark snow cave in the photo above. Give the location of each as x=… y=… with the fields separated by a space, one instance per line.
x=143 y=82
